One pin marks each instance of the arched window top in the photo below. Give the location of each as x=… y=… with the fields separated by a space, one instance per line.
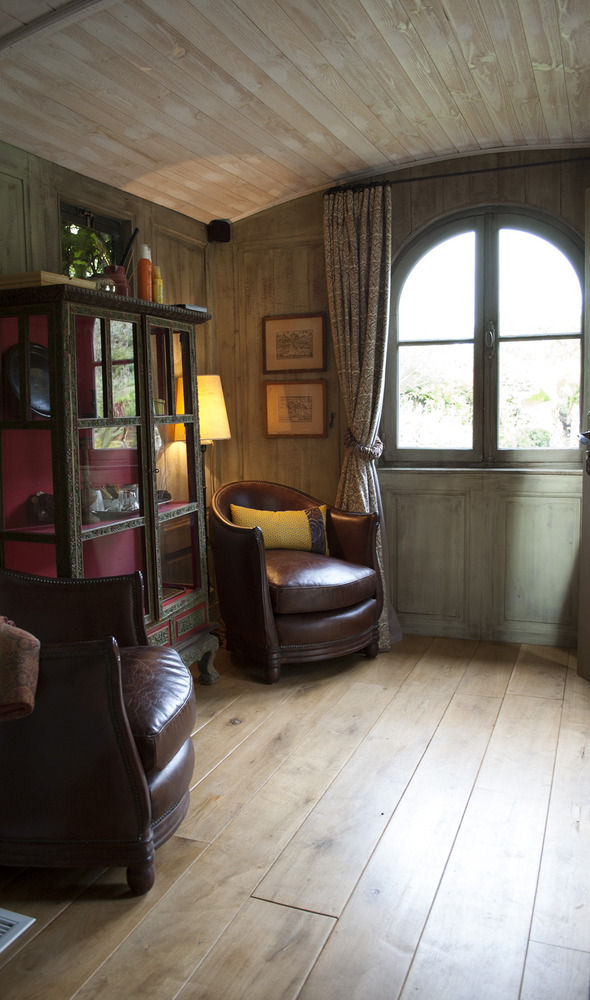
x=540 y=292
x=485 y=348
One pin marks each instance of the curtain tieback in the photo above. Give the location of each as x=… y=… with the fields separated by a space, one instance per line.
x=367 y=452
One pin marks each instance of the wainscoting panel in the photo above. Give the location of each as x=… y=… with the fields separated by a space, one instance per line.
x=436 y=525
x=13 y=253
x=535 y=563
x=489 y=554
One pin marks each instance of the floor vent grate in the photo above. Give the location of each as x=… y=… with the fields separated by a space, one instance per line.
x=11 y=925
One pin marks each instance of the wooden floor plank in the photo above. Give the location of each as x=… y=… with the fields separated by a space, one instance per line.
x=215 y=698
x=490 y=669
x=250 y=705
x=44 y=894
x=370 y=950
x=232 y=726
x=561 y=915
x=58 y=961
x=475 y=940
x=482 y=866
x=556 y=974
x=540 y=671
x=321 y=865
x=267 y=952
x=393 y=666
x=223 y=792
x=171 y=942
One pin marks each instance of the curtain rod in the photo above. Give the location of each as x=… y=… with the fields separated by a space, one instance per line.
x=457 y=173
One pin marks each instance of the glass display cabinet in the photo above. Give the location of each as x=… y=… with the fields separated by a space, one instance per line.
x=99 y=450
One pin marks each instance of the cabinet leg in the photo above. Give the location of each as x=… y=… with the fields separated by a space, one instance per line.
x=207 y=672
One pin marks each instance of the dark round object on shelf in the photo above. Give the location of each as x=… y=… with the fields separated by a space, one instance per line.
x=39 y=376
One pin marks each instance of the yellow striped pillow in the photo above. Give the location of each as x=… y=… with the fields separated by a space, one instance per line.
x=286 y=529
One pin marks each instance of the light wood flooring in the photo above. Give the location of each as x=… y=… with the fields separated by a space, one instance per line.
x=412 y=826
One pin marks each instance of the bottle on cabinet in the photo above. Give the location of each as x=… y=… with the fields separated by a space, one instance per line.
x=144 y=273
x=157 y=284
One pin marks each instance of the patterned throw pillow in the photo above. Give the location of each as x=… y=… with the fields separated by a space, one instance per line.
x=286 y=529
x=19 y=670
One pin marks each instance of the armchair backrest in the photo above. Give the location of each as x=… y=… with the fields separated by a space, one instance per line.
x=261 y=496
x=58 y=610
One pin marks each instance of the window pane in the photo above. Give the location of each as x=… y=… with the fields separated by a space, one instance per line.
x=540 y=292
x=124 y=402
x=436 y=396
x=115 y=437
x=539 y=394
x=438 y=296
x=88 y=369
x=110 y=476
x=178 y=540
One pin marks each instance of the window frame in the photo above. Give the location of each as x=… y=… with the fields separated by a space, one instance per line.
x=486 y=221
x=118 y=228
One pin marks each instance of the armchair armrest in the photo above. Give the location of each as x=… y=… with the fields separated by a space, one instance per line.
x=72 y=777
x=241 y=579
x=352 y=536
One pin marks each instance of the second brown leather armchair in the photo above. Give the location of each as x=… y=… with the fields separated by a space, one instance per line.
x=99 y=772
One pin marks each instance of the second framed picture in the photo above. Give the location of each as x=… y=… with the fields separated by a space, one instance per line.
x=294 y=343
x=296 y=409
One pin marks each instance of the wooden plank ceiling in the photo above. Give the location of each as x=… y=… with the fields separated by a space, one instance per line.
x=221 y=108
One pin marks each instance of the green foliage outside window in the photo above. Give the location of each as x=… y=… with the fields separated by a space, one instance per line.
x=84 y=252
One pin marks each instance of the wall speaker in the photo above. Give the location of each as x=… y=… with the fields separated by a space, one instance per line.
x=219 y=231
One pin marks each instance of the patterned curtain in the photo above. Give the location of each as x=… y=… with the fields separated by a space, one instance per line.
x=357 y=241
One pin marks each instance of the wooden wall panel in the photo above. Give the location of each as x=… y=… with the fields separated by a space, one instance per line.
x=541 y=536
x=274 y=264
x=435 y=526
x=275 y=281
x=432 y=524
x=183 y=263
x=490 y=555
x=13 y=241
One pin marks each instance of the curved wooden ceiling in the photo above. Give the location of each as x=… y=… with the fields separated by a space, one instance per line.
x=221 y=108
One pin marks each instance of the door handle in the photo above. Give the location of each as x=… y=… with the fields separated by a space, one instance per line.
x=490 y=340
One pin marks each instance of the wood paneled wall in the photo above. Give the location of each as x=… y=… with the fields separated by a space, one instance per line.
x=474 y=553
x=30 y=193
x=274 y=264
x=491 y=555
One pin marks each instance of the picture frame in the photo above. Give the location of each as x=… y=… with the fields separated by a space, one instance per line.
x=294 y=343
x=296 y=409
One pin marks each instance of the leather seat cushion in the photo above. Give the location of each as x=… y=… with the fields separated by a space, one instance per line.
x=303 y=582
x=298 y=632
x=159 y=700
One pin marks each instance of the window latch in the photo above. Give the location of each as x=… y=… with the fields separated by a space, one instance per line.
x=490 y=340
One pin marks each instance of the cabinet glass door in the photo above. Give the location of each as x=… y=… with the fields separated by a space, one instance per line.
x=174 y=401
x=173 y=408
x=110 y=445
x=27 y=500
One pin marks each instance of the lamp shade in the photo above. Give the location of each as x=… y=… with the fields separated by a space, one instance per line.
x=213 y=422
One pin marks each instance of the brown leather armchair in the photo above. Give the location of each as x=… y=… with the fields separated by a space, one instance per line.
x=99 y=772
x=284 y=605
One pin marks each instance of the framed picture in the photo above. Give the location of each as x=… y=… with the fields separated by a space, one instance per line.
x=296 y=409
x=294 y=343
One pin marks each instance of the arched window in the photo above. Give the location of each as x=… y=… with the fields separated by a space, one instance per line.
x=485 y=353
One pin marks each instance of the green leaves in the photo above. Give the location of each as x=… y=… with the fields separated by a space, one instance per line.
x=84 y=252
